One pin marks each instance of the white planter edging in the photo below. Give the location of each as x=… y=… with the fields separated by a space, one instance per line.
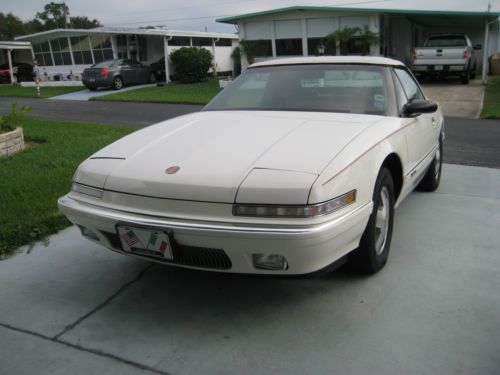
x=11 y=142
x=224 y=82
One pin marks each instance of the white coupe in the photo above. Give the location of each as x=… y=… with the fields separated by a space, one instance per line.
x=295 y=166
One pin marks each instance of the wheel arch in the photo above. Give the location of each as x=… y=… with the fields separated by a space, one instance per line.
x=393 y=163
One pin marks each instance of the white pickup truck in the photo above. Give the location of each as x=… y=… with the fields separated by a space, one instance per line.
x=446 y=55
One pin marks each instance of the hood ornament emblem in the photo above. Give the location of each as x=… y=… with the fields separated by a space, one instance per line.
x=172 y=170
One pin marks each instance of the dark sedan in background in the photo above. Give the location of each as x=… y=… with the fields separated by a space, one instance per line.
x=22 y=72
x=117 y=74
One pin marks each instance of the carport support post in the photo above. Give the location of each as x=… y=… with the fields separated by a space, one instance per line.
x=485 y=50
x=9 y=58
x=165 y=53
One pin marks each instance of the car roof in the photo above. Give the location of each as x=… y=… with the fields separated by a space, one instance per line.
x=369 y=60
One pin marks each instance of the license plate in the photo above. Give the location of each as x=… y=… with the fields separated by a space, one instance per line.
x=147 y=242
x=438 y=67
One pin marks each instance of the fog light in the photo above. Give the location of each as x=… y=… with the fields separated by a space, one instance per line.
x=86 y=232
x=270 y=262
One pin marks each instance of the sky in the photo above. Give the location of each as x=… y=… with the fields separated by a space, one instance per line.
x=200 y=15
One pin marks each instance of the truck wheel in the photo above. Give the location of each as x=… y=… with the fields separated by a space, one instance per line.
x=465 y=78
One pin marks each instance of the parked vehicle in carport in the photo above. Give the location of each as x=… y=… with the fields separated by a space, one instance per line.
x=446 y=55
x=117 y=74
x=22 y=72
x=158 y=68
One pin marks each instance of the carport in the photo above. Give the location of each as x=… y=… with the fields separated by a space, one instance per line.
x=11 y=46
x=403 y=31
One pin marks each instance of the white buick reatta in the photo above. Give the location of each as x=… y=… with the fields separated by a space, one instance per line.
x=295 y=166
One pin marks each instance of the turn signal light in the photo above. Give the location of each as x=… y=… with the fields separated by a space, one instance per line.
x=466 y=54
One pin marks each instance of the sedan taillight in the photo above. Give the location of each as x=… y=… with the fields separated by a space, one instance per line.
x=104 y=72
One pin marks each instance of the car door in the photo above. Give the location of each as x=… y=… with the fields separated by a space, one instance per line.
x=422 y=130
x=127 y=71
x=139 y=73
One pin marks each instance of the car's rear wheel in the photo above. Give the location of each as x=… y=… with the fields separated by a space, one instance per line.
x=432 y=177
x=118 y=83
x=152 y=77
x=373 y=251
x=465 y=79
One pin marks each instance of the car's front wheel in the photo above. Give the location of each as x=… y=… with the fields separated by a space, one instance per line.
x=373 y=251
x=432 y=177
x=117 y=83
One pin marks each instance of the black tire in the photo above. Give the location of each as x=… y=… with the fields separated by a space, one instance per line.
x=118 y=83
x=152 y=77
x=373 y=251
x=432 y=177
x=465 y=79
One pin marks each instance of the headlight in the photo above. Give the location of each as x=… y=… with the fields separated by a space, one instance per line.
x=319 y=209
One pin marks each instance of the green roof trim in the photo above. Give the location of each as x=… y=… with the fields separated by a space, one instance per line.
x=235 y=19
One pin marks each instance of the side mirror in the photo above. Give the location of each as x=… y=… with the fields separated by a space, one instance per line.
x=478 y=46
x=419 y=106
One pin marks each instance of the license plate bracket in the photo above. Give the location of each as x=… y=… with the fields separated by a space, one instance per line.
x=146 y=241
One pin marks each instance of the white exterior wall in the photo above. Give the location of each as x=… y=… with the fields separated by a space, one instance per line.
x=304 y=25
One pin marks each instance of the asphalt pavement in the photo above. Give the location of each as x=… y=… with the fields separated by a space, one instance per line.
x=73 y=307
x=468 y=141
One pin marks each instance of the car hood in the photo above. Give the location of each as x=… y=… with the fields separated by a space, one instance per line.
x=214 y=152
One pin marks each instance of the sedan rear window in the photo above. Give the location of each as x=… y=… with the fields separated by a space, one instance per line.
x=342 y=88
x=105 y=64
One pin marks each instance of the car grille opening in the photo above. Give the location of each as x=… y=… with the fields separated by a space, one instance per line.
x=193 y=256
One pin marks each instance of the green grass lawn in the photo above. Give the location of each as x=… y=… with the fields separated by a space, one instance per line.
x=31 y=181
x=193 y=93
x=30 y=92
x=491 y=108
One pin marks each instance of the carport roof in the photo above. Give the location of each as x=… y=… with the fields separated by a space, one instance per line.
x=125 y=30
x=14 y=45
x=235 y=19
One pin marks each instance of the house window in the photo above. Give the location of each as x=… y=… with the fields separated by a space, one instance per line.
x=101 y=47
x=288 y=47
x=142 y=46
x=262 y=48
x=60 y=51
x=178 y=41
x=81 y=50
x=202 y=42
x=42 y=54
x=224 y=43
x=318 y=46
x=121 y=45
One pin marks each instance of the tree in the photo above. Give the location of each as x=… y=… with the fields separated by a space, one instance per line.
x=10 y=26
x=83 y=23
x=247 y=48
x=368 y=38
x=341 y=37
x=53 y=15
x=191 y=64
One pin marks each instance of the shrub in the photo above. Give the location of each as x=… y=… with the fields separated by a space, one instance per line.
x=13 y=119
x=191 y=64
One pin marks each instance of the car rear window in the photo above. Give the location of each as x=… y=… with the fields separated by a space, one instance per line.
x=314 y=87
x=105 y=64
x=447 y=41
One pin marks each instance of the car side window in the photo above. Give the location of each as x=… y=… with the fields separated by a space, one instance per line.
x=410 y=87
x=400 y=94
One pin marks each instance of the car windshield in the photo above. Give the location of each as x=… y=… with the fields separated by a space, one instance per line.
x=104 y=64
x=315 y=87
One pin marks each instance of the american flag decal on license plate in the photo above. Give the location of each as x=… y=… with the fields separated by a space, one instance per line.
x=130 y=238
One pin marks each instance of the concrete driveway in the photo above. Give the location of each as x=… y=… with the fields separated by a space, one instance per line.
x=457 y=100
x=85 y=95
x=73 y=307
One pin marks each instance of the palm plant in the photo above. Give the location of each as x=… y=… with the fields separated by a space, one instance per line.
x=341 y=37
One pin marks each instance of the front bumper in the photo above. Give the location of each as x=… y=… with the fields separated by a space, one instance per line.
x=306 y=248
